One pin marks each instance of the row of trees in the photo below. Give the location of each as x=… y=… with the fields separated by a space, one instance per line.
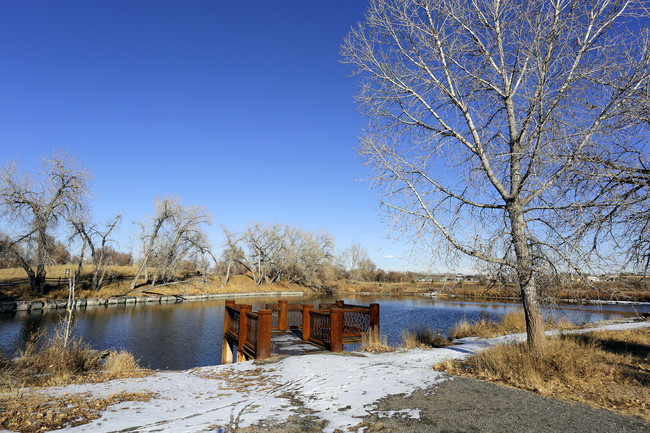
x=36 y=206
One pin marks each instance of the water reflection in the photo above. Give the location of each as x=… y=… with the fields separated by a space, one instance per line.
x=181 y=336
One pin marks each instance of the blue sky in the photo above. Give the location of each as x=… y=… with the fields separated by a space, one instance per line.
x=240 y=106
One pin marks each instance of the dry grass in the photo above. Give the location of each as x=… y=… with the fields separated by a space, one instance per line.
x=120 y=287
x=34 y=412
x=345 y=286
x=485 y=327
x=424 y=338
x=609 y=370
x=371 y=341
x=47 y=362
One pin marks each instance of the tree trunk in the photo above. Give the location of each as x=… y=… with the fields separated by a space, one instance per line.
x=533 y=312
x=227 y=273
x=38 y=281
x=526 y=279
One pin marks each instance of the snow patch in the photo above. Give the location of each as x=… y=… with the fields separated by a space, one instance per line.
x=339 y=388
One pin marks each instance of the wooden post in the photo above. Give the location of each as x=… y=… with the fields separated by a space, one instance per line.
x=226 y=348
x=282 y=316
x=241 y=337
x=306 y=321
x=336 y=330
x=226 y=352
x=226 y=317
x=264 y=322
x=374 y=317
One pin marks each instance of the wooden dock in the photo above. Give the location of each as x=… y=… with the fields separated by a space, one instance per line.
x=293 y=329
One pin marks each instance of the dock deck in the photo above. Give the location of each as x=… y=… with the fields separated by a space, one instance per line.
x=293 y=329
x=288 y=343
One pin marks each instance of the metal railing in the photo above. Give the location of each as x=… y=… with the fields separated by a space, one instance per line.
x=331 y=326
x=246 y=331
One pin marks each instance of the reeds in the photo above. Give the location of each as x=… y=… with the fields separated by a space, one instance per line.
x=371 y=341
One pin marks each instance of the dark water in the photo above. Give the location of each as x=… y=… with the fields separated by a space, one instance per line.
x=181 y=336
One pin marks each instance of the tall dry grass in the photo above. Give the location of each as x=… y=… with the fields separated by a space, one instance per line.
x=604 y=370
x=48 y=361
x=424 y=338
x=486 y=327
x=372 y=341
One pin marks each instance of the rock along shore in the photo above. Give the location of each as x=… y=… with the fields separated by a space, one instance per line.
x=54 y=304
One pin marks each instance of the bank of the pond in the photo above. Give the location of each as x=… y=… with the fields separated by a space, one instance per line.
x=397 y=391
x=54 y=304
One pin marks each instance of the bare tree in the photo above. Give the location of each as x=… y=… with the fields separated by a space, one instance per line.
x=306 y=256
x=97 y=240
x=272 y=252
x=163 y=210
x=357 y=263
x=183 y=240
x=35 y=204
x=351 y=257
x=264 y=245
x=174 y=234
x=232 y=254
x=482 y=112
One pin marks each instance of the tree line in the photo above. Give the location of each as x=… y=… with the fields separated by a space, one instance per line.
x=173 y=241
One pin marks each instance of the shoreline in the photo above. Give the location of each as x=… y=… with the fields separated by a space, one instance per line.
x=56 y=304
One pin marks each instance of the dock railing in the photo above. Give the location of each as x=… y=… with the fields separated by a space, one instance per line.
x=330 y=326
x=248 y=332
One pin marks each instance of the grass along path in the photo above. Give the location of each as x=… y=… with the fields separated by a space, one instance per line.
x=607 y=368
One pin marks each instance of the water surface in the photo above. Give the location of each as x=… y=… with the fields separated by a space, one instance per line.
x=186 y=335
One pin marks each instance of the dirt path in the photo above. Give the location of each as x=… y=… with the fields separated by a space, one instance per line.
x=464 y=405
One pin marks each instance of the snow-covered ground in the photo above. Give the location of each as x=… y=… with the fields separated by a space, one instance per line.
x=338 y=388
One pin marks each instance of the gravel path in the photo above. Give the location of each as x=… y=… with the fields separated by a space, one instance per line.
x=464 y=405
x=470 y=405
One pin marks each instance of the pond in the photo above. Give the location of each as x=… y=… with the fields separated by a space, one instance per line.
x=187 y=335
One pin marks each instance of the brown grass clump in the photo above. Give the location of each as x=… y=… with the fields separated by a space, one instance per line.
x=424 y=338
x=48 y=362
x=511 y=323
x=608 y=370
x=371 y=341
x=122 y=364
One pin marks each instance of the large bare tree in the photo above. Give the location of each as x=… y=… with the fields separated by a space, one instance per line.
x=34 y=204
x=482 y=112
x=175 y=233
